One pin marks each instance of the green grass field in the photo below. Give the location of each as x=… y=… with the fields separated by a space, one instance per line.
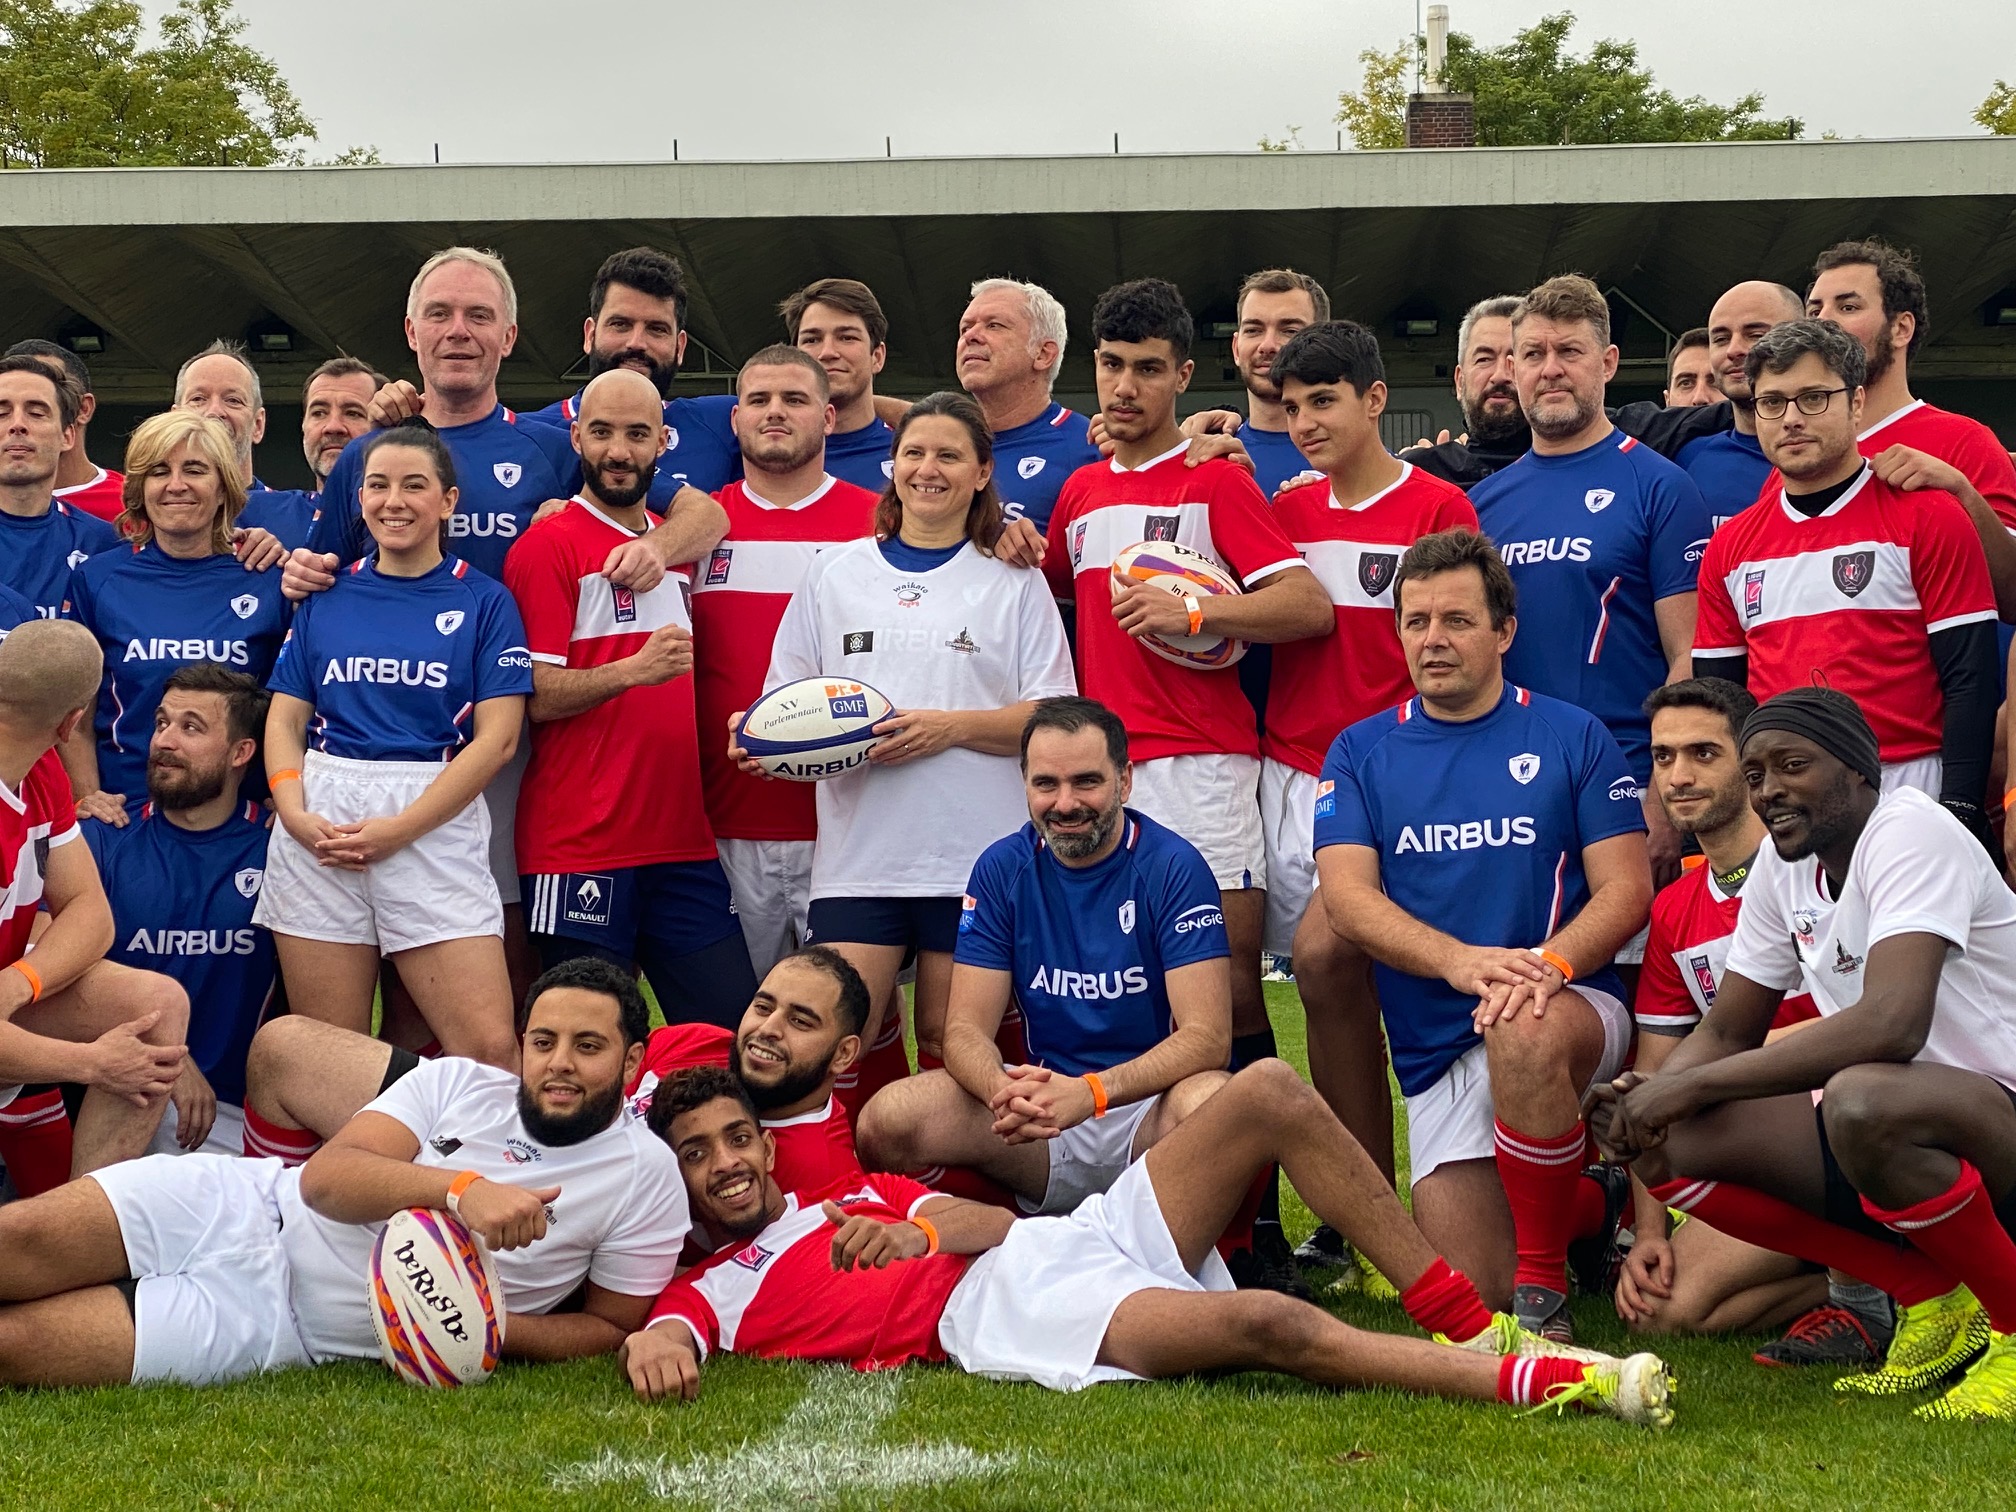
x=767 y=1435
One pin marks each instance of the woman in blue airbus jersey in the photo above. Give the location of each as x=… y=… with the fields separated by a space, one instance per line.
x=176 y=595
x=397 y=697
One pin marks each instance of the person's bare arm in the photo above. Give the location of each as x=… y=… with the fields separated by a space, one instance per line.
x=976 y=1004
x=79 y=755
x=1360 y=911
x=491 y=745
x=562 y=692
x=366 y=1174
x=1200 y=1038
x=964 y=1228
x=694 y=524
x=910 y=734
x=1288 y=605
x=605 y=1319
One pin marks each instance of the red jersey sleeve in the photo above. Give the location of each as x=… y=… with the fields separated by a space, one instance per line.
x=900 y=1192
x=52 y=800
x=1716 y=627
x=1947 y=565
x=540 y=574
x=1057 y=564
x=1988 y=467
x=1662 y=1003
x=684 y=1302
x=680 y=1047
x=1243 y=528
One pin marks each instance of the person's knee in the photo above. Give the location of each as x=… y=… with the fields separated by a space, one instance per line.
x=1270 y=1082
x=1859 y=1115
x=1526 y=1046
x=1278 y=1326
x=151 y=992
x=267 y=1060
x=891 y=1133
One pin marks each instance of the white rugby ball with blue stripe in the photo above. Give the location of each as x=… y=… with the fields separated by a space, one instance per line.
x=813 y=729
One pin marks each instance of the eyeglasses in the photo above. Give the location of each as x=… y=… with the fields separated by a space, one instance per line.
x=1810 y=402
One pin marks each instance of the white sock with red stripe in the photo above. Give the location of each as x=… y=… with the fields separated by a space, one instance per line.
x=264 y=1138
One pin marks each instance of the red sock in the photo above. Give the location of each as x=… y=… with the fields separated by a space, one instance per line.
x=963 y=1181
x=1770 y=1223
x=926 y=1061
x=883 y=1062
x=1592 y=1207
x=1442 y=1301
x=1239 y=1235
x=35 y=1140
x=1958 y=1229
x=1525 y=1380
x=1540 y=1176
x=430 y=1051
x=264 y=1138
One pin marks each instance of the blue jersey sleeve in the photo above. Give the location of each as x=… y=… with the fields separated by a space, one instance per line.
x=558 y=445
x=987 y=914
x=1342 y=817
x=1189 y=912
x=503 y=663
x=1680 y=528
x=77 y=599
x=338 y=526
x=291 y=674
x=98 y=839
x=1608 y=800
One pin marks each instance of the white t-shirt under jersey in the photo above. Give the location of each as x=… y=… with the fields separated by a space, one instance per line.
x=973 y=633
x=619 y=1221
x=1915 y=871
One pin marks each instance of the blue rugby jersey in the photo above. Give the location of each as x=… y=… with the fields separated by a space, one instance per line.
x=1593 y=539
x=14 y=610
x=1729 y=468
x=1275 y=457
x=289 y=513
x=182 y=905
x=154 y=613
x=396 y=666
x=37 y=555
x=862 y=456
x=1088 y=949
x=701 y=450
x=1031 y=462
x=1480 y=828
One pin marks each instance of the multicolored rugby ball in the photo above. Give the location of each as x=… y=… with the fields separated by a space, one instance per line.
x=435 y=1300
x=1179 y=569
x=813 y=729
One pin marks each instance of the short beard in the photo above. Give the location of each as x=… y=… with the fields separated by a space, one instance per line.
x=662 y=374
x=1260 y=386
x=1489 y=431
x=1078 y=847
x=596 y=1113
x=795 y=1085
x=1829 y=822
x=1560 y=429
x=1882 y=358
x=177 y=788
x=1724 y=812
x=721 y=1231
x=610 y=494
x=790 y=462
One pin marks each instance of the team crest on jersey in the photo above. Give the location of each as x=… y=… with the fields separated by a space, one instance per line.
x=508 y=473
x=78 y=559
x=962 y=642
x=520 y=1151
x=1704 y=978
x=1598 y=499
x=889 y=469
x=1753 y=593
x=249 y=881
x=1853 y=571
x=1127 y=917
x=244 y=606
x=1078 y=544
x=1160 y=528
x=1524 y=768
x=717 y=565
x=1376 y=570
x=1028 y=467
x=588 y=901
x=857 y=641
x=1844 y=963
x=1803 y=922
x=448 y=621
x=626 y=604
x=752 y=1257
x=909 y=595
x=671 y=438
x=445 y=1144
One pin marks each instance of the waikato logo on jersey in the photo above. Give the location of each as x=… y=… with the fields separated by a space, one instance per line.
x=520 y=1151
x=910 y=594
x=1524 y=768
x=1853 y=571
x=1804 y=921
x=1376 y=571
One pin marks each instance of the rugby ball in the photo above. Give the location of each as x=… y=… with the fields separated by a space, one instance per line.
x=813 y=729
x=435 y=1300
x=1181 y=570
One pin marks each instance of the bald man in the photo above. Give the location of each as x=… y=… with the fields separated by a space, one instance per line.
x=1730 y=468
x=613 y=843
x=67 y=1014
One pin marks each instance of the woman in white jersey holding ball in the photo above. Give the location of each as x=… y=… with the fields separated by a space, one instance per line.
x=963 y=645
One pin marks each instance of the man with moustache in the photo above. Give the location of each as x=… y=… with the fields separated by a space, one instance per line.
x=1730 y=467
x=335 y=410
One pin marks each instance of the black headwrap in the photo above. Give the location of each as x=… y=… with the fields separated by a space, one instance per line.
x=1832 y=721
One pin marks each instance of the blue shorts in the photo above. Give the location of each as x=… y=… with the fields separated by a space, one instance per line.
x=673 y=908
x=914 y=923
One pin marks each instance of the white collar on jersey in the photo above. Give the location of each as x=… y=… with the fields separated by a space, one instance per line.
x=1174 y=451
x=97 y=477
x=817 y=1115
x=584 y=502
x=1891 y=419
x=1406 y=472
x=1835 y=508
x=826 y=482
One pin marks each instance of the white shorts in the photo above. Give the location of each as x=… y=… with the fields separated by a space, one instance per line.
x=1288 y=825
x=1454 y=1120
x=1632 y=951
x=1037 y=1307
x=226 y=1136
x=1211 y=799
x=771 y=881
x=1925 y=773
x=1087 y=1158
x=202 y=1236
x=438 y=888
x=500 y=799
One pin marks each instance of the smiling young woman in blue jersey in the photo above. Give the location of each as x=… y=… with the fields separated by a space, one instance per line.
x=963 y=644
x=398 y=696
x=179 y=595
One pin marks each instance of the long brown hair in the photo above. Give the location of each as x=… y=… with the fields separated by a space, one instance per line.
x=157 y=436
x=984 y=516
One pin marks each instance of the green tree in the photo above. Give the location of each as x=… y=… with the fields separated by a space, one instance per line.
x=82 y=85
x=1376 y=115
x=1997 y=113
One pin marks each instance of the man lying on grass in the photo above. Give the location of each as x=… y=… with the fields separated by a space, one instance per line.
x=879 y=1271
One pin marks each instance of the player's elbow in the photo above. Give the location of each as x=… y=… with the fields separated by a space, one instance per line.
x=1308 y=606
x=1210 y=1045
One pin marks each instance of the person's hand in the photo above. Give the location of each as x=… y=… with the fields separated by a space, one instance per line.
x=358 y=844
x=1144 y=609
x=257 y=549
x=1211 y=422
x=1662 y=842
x=742 y=759
x=109 y=807
x=1022 y=1105
x=307 y=572
x=547 y=510
x=1441 y=439
x=1909 y=469
x=861 y=1242
x=508 y=1217
x=666 y=653
x=195 y=1107
x=1020 y=543
x=1651 y=1106
x=125 y=1065
x=1646 y=1279
x=660 y=1362
x=635 y=565
x=1095 y=432
x=396 y=401
x=912 y=734
x=1307 y=475
x=1210 y=448
x=310 y=830
x=1599 y=1113
x=1505 y=999
x=1477 y=969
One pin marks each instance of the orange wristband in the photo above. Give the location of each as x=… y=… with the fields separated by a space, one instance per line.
x=930 y=1234
x=1559 y=963
x=2009 y=801
x=1098 y=1093
x=289 y=774
x=1196 y=611
x=461 y=1184
x=34 y=979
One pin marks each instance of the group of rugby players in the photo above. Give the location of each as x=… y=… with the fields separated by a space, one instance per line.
x=457 y=732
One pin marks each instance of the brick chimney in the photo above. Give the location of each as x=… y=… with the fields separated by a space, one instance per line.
x=1436 y=118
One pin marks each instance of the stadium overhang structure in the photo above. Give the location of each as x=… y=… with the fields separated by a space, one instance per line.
x=148 y=265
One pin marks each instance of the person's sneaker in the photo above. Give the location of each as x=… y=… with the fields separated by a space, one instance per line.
x=1593 y=1261
x=1827 y=1335
x=1325 y=1247
x=1987 y=1392
x=1506 y=1337
x=1637 y=1390
x=1279 y=969
x=1268 y=1265
x=1542 y=1310
x=1933 y=1340
x=1372 y=1282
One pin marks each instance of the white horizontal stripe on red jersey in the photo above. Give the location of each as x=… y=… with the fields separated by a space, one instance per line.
x=1341 y=567
x=1099 y=535
x=601 y=609
x=24 y=893
x=743 y=566
x=1794 y=587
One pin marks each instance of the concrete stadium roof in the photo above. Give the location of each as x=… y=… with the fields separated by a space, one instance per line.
x=163 y=260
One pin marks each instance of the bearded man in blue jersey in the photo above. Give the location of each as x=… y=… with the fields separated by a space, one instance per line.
x=1483 y=843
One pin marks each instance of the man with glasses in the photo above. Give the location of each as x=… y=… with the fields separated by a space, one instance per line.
x=1875 y=588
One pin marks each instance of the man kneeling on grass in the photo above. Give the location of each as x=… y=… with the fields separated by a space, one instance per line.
x=879 y=1271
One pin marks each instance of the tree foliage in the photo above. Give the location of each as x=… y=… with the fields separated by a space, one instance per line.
x=1997 y=113
x=1533 y=91
x=83 y=85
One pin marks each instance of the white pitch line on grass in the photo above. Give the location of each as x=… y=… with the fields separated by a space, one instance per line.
x=820 y=1451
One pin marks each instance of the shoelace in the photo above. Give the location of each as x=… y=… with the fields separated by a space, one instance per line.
x=1815 y=1326
x=1558 y=1399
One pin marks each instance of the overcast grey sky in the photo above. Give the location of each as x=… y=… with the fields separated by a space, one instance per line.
x=600 y=80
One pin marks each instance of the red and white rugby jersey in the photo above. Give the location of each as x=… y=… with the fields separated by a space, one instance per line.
x=778 y=1296
x=1693 y=921
x=1215 y=508
x=103 y=496
x=1322 y=686
x=814 y=1150
x=739 y=594
x=616 y=785
x=1847 y=598
x=32 y=823
x=1967 y=444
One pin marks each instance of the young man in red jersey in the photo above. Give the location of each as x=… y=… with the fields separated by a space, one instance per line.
x=1351 y=526
x=880 y=1271
x=1873 y=291
x=1838 y=573
x=612 y=866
